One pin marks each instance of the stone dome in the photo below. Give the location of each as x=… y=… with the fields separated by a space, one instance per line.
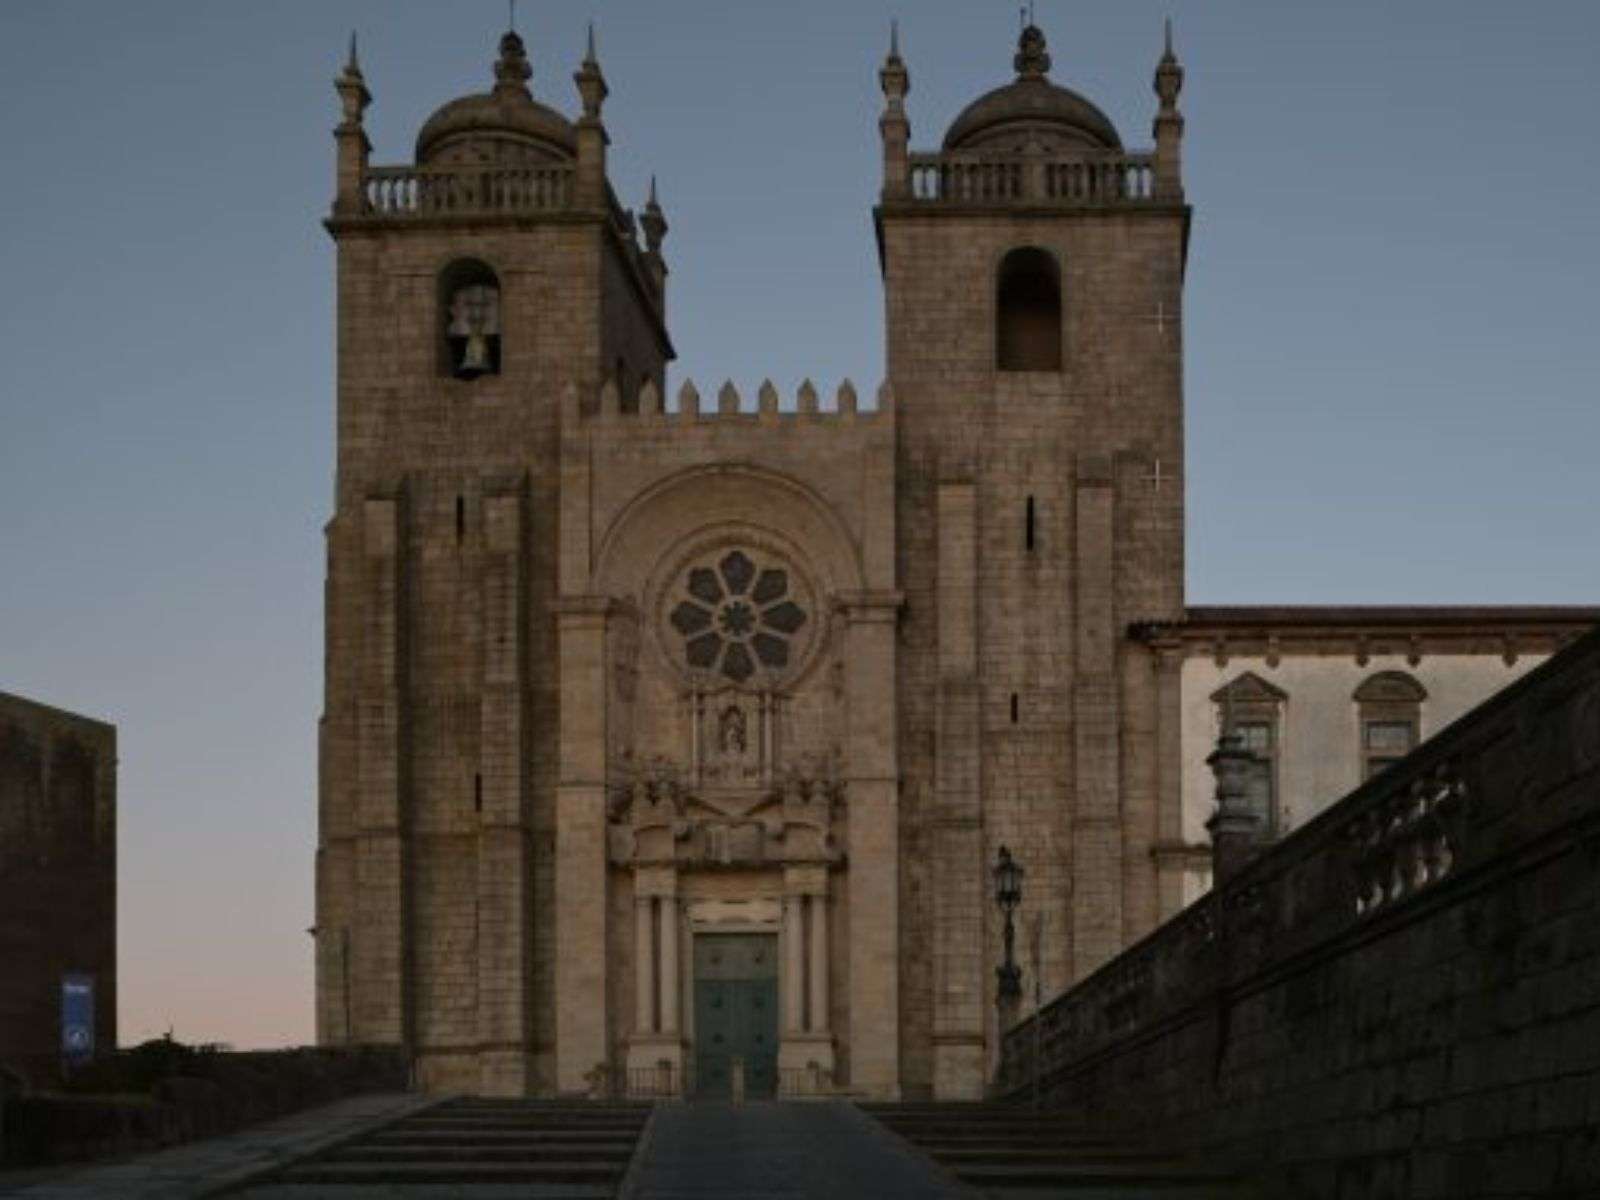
x=505 y=123
x=1032 y=111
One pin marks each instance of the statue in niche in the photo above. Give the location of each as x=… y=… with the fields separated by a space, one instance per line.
x=731 y=733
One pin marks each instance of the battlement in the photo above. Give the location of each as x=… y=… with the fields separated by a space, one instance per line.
x=729 y=406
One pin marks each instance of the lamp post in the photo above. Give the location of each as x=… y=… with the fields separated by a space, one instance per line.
x=1008 y=894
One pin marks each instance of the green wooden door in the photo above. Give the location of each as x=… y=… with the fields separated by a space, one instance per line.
x=735 y=1012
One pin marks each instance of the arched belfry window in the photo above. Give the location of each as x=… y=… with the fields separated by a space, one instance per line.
x=469 y=312
x=1390 y=707
x=1027 y=334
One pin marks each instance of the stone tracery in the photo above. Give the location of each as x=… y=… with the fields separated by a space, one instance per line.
x=728 y=626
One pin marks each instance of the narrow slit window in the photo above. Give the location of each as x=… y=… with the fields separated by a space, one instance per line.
x=461 y=517
x=1028 y=533
x=1016 y=708
x=477 y=793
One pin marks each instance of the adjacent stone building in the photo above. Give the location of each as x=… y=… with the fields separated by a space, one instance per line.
x=58 y=879
x=659 y=734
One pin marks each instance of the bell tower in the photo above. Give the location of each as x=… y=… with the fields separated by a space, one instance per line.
x=1033 y=269
x=479 y=287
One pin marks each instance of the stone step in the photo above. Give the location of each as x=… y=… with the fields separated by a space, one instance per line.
x=504 y=1137
x=1089 y=1173
x=459 y=1174
x=378 y=1154
x=440 y=1122
x=1033 y=1157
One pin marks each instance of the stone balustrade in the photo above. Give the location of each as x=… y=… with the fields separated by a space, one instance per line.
x=428 y=192
x=1408 y=982
x=1083 y=180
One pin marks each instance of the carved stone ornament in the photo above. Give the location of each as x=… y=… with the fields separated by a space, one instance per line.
x=657 y=819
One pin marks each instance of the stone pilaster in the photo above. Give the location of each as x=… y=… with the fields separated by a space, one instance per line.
x=381 y=975
x=1169 y=765
x=504 y=847
x=1096 y=818
x=960 y=900
x=873 y=794
x=582 y=1013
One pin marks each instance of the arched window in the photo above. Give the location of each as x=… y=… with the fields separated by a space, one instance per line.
x=1252 y=709
x=1027 y=334
x=1390 y=705
x=469 y=314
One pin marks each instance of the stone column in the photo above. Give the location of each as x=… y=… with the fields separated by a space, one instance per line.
x=670 y=985
x=819 y=964
x=656 y=1037
x=793 y=964
x=807 y=1042
x=644 y=1016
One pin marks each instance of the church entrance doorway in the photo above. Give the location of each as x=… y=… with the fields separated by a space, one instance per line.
x=735 y=1013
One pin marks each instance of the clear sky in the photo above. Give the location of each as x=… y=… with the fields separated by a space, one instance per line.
x=1391 y=336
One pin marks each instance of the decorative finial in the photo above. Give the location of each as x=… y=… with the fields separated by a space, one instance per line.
x=894 y=37
x=352 y=65
x=589 y=53
x=1031 y=62
x=1169 y=76
x=511 y=15
x=653 y=221
x=512 y=72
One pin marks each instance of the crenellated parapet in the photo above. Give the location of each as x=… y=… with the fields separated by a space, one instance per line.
x=728 y=406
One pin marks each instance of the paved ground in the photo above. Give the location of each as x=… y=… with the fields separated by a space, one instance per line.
x=770 y=1151
x=206 y=1168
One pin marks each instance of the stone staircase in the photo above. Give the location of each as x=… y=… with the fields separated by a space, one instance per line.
x=479 y=1147
x=1008 y=1153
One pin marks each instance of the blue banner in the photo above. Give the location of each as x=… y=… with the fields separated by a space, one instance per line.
x=77 y=1018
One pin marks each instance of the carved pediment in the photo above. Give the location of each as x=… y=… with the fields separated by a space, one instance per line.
x=1249 y=688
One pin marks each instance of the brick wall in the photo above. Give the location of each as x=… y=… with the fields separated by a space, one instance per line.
x=1402 y=998
x=58 y=866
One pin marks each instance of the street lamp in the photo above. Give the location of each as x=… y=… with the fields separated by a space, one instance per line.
x=1008 y=894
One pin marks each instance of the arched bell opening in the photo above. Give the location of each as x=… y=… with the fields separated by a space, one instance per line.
x=469 y=311
x=1028 y=312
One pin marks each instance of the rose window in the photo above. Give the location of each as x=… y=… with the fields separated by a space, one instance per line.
x=734 y=615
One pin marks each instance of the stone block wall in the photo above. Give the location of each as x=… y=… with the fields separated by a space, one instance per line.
x=1039 y=513
x=1400 y=999
x=58 y=877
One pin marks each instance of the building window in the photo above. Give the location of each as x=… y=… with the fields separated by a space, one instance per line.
x=469 y=306
x=1390 y=713
x=735 y=616
x=1028 y=312
x=1252 y=709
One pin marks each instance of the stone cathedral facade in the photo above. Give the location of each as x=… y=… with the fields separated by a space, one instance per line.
x=661 y=732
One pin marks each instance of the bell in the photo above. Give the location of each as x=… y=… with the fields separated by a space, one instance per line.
x=474 y=357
